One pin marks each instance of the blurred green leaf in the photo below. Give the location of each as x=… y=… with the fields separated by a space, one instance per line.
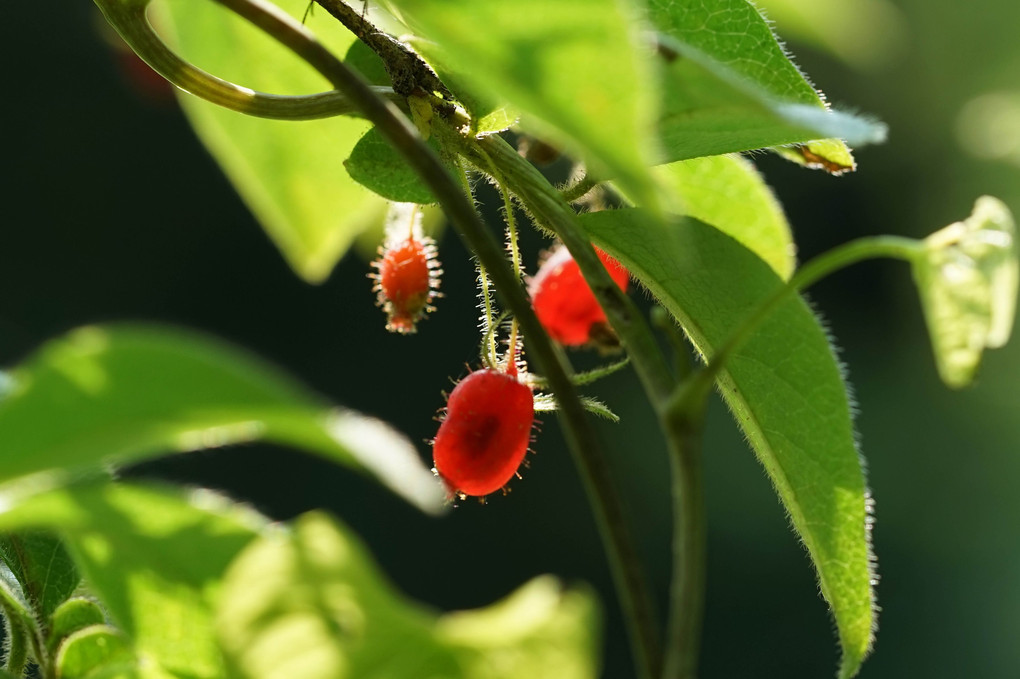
x=125 y=392
x=784 y=387
x=574 y=68
x=377 y=166
x=729 y=86
x=42 y=566
x=540 y=630
x=309 y=603
x=90 y=649
x=289 y=173
x=153 y=555
x=967 y=278
x=72 y=615
x=728 y=193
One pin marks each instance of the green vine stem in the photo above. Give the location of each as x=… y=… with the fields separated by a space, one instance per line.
x=21 y=634
x=401 y=133
x=870 y=247
x=681 y=428
x=129 y=19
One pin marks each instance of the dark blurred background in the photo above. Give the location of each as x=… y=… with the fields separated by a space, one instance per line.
x=114 y=211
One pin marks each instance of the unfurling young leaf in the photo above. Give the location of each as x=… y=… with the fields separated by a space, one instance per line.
x=967 y=279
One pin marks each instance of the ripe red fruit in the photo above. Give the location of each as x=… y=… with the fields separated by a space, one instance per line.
x=564 y=303
x=406 y=282
x=484 y=437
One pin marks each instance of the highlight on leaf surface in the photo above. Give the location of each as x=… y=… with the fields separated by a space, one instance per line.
x=967 y=278
x=310 y=602
x=288 y=173
x=123 y=393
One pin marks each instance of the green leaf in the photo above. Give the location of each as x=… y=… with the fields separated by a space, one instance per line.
x=310 y=603
x=123 y=392
x=289 y=173
x=728 y=193
x=729 y=86
x=154 y=556
x=42 y=566
x=540 y=630
x=967 y=278
x=89 y=649
x=362 y=59
x=795 y=413
x=72 y=615
x=376 y=165
x=575 y=69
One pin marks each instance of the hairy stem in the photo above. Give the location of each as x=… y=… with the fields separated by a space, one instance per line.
x=687 y=582
x=584 y=444
x=551 y=211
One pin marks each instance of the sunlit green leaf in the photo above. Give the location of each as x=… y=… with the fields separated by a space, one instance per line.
x=967 y=279
x=310 y=603
x=539 y=630
x=728 y=193
x=795 y=413
x=289 y=173
x=123 y=393
x=576 y=69
x=154 y=557
x=89 y=649
x=42 y=566
x=72 y=615
x=729 y=86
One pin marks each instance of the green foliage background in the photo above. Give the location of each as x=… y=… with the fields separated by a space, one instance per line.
x=116 y=212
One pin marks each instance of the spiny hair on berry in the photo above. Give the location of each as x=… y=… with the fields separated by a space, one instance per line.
x=407 y=270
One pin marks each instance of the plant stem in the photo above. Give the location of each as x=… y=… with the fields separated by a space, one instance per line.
x=687 y=583
x=130 y=22
x=550 y=210
x=580 y=189
x=870 y=247
x=680 y=426
x=581 y=438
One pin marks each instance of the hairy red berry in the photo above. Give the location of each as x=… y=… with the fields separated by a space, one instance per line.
x=564 y=303
x=407 y=282
x=485 y=435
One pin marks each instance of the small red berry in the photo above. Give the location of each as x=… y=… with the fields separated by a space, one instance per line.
x=406 y=282
x=485 y=435
x=565 y=304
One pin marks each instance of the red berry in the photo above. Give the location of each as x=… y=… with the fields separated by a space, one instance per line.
x=406 y=282
x=485 y=435
x=565 y=304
